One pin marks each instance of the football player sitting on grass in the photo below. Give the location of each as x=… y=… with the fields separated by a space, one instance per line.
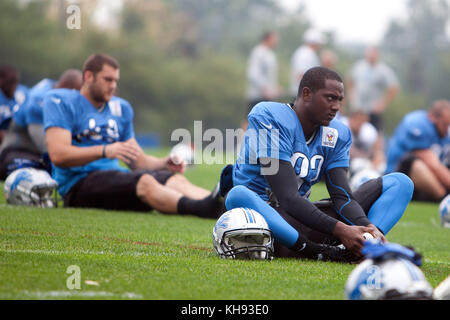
x=89 y=131
x=420 y=148
x=286 y=150
x=24 y=142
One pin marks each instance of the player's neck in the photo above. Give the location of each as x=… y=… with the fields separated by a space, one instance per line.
x=309 y=128
x=97 y=104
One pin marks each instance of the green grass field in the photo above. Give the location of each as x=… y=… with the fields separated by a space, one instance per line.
x=127 y=255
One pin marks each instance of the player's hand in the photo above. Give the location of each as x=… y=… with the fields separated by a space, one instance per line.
x=351 y=236
x=377 y=234
x=179 y=166
x=125 y=151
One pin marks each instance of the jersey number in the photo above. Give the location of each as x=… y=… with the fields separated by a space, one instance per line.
x=305 y=165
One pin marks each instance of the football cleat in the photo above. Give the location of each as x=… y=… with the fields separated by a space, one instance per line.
x=337 y=254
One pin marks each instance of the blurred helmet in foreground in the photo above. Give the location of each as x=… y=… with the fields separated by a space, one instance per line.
x=30 y=187
x=390 y=272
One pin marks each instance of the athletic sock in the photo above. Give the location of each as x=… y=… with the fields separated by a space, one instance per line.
x=209 y=207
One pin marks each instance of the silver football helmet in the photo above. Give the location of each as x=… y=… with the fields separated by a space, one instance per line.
x=391 y=275
x=243 y=233
x=31 y=187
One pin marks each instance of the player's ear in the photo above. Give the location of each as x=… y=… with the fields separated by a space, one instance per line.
x=88 y=76
x=306 y=94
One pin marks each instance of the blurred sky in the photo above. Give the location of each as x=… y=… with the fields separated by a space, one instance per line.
x=362 y=21
x=353 y=20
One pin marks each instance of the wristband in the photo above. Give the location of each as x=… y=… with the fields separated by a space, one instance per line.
x=104 y=151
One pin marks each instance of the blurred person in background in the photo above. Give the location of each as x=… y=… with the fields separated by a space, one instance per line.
x=367 y=149
x=12 y=96
x=328 y=59
x=262 y=72
x=371 y=85
x=305 y=57
x=419 y=148
x=24 y=142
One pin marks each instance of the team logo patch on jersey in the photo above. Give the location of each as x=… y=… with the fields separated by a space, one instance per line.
x=329 y=137
x=115 y=107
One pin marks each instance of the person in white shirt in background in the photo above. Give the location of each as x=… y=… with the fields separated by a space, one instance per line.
x=262 y=73
x=305 y=57
x=372 y=85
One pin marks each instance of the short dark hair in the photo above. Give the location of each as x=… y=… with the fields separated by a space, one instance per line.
x=315 y=78
x=95 y=62
x=7 y=70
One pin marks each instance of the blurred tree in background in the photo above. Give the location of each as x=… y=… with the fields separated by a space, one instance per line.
x=419 y=51
x=185 y=60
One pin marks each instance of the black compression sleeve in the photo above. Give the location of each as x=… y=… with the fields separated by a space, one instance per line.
x=284 y=186
x=342 y=197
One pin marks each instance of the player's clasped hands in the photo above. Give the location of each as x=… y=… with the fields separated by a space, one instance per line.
x=126 y=151
x=352 y=236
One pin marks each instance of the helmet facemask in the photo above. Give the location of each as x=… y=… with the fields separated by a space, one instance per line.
x=247 y=244
x=44 y=196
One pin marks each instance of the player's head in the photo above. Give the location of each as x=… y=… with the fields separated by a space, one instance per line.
x=328 y=59
x=70 y=79
x=100 y=77
x=314 y=38
x=270 y=39
x=320 y=93
x=439 y=114
x=372 y=55
x=9 y=79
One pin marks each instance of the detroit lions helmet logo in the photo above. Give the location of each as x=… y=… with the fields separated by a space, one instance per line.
x=222 y=223
x=22 y=176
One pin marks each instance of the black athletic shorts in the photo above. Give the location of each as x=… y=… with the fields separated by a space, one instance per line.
x=14 y=158
x=405 y=163
x=404 y=166
x=112 y=189
x=366 y=195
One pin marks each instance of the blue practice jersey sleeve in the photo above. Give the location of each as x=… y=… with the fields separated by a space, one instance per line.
x=272 y=134
x=35 y=114
x=57 y=113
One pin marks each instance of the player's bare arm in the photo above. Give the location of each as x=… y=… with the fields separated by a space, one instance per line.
x=64 y=154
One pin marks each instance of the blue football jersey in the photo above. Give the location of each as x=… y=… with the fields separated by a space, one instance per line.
x=274 y=131
x=89 y=126
x=32 y=111
x=9 y=106
x=415 y=132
